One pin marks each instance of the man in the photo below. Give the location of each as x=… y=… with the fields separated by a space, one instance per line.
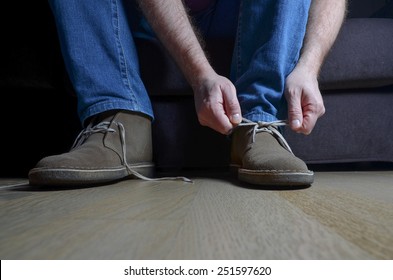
x=280 y=47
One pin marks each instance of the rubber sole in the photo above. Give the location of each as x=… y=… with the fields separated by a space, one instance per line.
x=84 y=177
x=274 y=177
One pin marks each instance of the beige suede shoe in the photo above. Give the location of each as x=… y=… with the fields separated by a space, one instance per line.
x=261 y=156
x=115 y=145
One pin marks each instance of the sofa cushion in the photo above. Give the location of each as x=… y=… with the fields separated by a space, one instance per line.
x=361 y=57
x=366 y=8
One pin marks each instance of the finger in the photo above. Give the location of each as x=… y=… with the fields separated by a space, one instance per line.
x=295 y=112
x=310 y=118
x=309 y=121
x=220 y=122
x=216 y=119
x=231 y=103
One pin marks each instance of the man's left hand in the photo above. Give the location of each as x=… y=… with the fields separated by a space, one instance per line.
x=305 y=103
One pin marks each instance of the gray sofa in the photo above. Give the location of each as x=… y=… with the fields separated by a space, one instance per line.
x=356 y=82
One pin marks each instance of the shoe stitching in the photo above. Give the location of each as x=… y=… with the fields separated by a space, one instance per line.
x=239 y=167
x=274 y=171
x=92 y=168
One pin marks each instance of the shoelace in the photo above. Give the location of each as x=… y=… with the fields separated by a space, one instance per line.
x=104 y=127
x=89 y=130
x=269 y=127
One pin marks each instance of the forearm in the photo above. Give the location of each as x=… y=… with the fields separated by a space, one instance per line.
x=170 y=22
x=324 y=23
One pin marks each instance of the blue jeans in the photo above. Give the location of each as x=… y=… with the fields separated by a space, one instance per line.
x=97 y=43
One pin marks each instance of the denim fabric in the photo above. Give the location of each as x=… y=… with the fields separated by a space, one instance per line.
x=219 y=20
x=96 y=38
x=100 y=56
x=269 y=39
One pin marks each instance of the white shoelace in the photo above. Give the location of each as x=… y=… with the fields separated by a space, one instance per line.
x=89 y=130
x=269 y=127
x=104 y=127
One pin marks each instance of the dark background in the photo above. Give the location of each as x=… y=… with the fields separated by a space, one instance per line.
x=38 y=106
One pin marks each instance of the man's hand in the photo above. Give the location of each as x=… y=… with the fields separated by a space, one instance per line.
x=216 y=103
x=305 y=103
x=215 y=96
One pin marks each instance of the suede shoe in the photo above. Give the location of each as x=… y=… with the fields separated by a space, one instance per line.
x=114 y=146
x=261 y=156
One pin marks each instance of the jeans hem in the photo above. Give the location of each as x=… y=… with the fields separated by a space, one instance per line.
x=259 y=116
x=103 y=107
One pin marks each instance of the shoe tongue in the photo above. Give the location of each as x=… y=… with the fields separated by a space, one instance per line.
x=104 y=116
x=274 y=136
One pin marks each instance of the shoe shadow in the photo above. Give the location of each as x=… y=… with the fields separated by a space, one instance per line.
x=36 y=188
x=222 y=175
x=231 y=178
x=234 y=181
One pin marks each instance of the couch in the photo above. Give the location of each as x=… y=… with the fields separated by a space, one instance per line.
x=39 y=107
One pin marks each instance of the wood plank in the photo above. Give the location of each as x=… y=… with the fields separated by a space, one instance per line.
x=231 y=222
x=344 y=215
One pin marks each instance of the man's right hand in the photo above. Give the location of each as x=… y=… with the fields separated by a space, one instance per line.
x=216 y=103
x=215 y=96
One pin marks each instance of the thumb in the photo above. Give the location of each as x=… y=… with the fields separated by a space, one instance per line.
x=231 y=105
x=295 y=112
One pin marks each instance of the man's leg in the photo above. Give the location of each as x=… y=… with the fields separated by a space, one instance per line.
x=100 y=56
x=269 y=39
x=269 y=36
x=101 y=60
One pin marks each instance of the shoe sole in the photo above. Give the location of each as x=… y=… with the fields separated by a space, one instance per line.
x=83 y=177
x=274 y=177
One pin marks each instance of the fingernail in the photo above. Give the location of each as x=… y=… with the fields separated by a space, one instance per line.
x=295 y=123
x=236 y=118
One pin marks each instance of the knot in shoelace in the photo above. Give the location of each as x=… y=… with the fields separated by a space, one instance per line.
x=89 y=130
x=268 y=127
x=105 y=127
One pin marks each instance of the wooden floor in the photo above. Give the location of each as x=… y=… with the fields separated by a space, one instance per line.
x=343 y=215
